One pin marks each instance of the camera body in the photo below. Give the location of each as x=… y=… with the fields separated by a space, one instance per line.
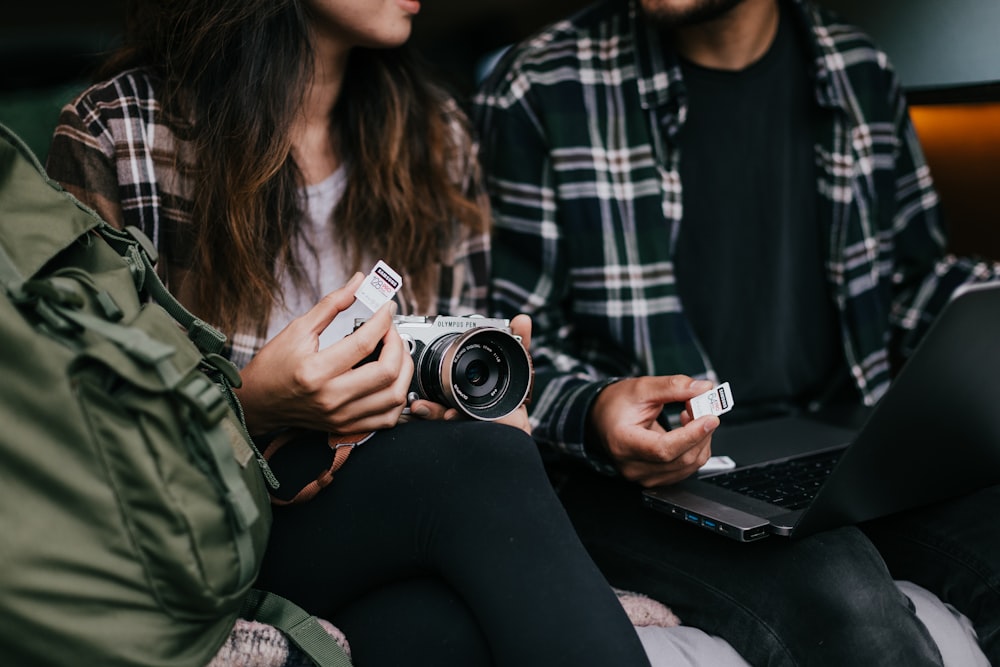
x=472 y=363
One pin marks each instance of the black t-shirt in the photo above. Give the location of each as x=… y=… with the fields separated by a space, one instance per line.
x=750 y=252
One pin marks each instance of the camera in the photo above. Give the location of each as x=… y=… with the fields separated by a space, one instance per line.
x=472 y=363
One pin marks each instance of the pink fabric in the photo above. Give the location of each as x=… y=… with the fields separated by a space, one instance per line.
x=253 y=644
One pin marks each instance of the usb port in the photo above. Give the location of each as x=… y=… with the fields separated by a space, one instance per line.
x=708 y=523
x=694 y=518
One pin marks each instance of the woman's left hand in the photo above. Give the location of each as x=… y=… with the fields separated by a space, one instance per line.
x=291 y=382
x=425 y=409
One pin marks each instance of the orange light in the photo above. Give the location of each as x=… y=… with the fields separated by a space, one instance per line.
x=962 y=146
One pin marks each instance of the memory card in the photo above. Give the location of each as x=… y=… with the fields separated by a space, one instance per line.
x=716 y=401
x=378 y=287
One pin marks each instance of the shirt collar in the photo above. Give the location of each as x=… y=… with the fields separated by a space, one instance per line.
x=661 y=86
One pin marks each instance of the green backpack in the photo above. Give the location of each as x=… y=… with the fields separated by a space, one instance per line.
x=132 y=501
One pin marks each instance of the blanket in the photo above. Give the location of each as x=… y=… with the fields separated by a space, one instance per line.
x=253 y=644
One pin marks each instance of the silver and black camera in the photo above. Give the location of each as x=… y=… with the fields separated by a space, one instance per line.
x=471 y=363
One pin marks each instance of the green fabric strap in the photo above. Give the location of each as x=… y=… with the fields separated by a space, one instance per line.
x=208 y=339
x=299 y=626
x=208 y=403
x=134 y=342
x=132 y=244
x=10 y=277
x=243 y=510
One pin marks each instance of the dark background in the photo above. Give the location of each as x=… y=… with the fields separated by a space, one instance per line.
x=930 y=41
x=49 y=48
x=943 y=52
x=51 y=42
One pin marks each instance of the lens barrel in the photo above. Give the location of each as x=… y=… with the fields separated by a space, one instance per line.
x=484 y=373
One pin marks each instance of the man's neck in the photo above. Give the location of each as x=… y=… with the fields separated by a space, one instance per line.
x=733 y=41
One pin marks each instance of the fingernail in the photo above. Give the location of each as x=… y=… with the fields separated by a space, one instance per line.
x=421 y=411
x=701 y=385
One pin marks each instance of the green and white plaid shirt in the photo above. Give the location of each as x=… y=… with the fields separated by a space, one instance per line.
x=577 y=127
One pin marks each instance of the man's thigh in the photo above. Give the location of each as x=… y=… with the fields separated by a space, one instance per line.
x=952 y=549
x=826 y=599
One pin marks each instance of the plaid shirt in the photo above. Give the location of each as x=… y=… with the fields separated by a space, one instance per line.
x=112 y=151
x=577 y=127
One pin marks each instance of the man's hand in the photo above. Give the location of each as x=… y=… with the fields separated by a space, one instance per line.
x=623 y=421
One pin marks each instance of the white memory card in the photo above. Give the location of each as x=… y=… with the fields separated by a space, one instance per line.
x=379 y=286
x=716 y=401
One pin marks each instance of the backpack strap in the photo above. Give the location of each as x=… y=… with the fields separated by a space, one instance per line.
x=208 y=404
x=301 y=627
x=208 y=407
x=10 y=277
x=141 y=255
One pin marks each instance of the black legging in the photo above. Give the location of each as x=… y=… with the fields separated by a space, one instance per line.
x=442 y=543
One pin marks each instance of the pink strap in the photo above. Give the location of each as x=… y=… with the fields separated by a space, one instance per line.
x=341 y=444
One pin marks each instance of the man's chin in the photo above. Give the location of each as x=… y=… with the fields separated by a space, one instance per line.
x=678 y=14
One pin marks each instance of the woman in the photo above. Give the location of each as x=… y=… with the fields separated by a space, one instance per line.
x=272 y=148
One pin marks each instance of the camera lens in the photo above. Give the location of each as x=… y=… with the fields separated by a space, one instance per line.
x=484 y=373
x=477 y=372
x=480 y=371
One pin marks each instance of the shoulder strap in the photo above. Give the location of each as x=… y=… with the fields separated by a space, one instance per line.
x=140 y=253
x=10 y=277
x=301 y=628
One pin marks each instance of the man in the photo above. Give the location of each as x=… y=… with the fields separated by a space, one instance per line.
x=727 y=190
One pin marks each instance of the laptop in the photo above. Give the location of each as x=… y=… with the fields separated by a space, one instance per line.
x=934 y=435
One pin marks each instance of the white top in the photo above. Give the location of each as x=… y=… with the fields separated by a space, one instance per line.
x=321 y=259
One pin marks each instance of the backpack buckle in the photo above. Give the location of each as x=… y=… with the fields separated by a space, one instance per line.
x=144 y=242
x=205 y=398
x=54 y=291
x=225 y=368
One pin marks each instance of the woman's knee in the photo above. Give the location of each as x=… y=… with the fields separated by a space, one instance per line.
x=473 y=448
x=413 y=622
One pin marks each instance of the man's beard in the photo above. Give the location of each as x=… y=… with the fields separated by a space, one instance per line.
x=664 y=14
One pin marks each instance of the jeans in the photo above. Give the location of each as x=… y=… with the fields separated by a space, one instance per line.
x=443 y=543
x=952 y=549
x=827 y=599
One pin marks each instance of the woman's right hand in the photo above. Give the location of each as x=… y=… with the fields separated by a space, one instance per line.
x=291 y=382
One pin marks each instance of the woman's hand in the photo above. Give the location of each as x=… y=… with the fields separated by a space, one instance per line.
x=290 y=382
x=425 y=409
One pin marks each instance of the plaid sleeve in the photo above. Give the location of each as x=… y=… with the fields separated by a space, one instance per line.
x=888 y=261
x=112 y=149
x=465 y=266
x=925 y=278
x=464 y=276
x=530 y=270
x=81 y=159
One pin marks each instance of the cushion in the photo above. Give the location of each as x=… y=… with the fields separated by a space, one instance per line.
x=668 y=643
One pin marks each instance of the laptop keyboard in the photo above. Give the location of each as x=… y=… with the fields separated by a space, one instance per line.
x=791 y=484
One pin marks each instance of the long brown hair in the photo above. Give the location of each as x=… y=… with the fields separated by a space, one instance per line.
x=232 y=77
